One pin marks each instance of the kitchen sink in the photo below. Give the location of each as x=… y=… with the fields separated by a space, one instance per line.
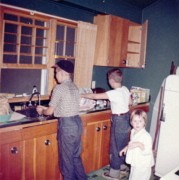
x=32 y=114
x=29 y=112
x=31 y=117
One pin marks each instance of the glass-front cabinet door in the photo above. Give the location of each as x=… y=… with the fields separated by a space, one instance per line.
x=25 y=40
x=65 y=42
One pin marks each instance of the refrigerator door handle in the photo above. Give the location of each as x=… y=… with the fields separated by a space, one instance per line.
x=162 y=117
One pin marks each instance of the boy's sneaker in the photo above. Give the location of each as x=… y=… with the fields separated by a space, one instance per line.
x=124 y=169
x=107 y=176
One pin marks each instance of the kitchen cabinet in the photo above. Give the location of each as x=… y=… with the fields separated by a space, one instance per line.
x=120 y=42
x=110 y=40
x=30 y=151
x=32 y=43
x=136 y=46
x=41 y=152
x=95 y=140
x=33 y=156
x=11 y=155
x=65 y=41
x=25 y=39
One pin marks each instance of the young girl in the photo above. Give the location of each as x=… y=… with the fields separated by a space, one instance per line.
x=139 y=150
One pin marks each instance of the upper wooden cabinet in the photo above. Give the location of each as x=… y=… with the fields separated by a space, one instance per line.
x=120 y=42
x=31 y=43
x=109 y=41
x=25 y=39
x=65 y=41
x=136 y=45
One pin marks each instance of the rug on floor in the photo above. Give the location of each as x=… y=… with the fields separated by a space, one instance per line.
x=97 y=175
x=124 y=175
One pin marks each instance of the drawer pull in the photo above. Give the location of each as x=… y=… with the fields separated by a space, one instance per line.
x=98 y=129
x=47 y=142
x=124 y=61
x=105 y=127
x=14 y=150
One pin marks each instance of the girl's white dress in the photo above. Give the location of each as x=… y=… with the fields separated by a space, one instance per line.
x=140 y=161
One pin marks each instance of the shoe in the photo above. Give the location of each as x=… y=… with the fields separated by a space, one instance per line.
x=124 y=169
x=107 y=176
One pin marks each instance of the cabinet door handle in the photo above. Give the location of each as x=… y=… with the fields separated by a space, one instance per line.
x=14 y=150
x=47 y=142
x=105 y=127
x=98 y=129
x=124 y=62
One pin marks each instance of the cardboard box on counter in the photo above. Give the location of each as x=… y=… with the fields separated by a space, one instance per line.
x=139 y=95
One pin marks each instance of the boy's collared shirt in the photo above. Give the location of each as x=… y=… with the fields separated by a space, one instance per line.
x=65 y=99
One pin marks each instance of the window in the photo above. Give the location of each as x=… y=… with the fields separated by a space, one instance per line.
x=31 y=43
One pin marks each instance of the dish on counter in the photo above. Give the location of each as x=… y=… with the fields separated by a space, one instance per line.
x=86 y=104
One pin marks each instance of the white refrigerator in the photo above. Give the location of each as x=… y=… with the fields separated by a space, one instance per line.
x=165 y=126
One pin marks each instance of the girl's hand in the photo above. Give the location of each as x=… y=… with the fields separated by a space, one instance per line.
x=123 y=151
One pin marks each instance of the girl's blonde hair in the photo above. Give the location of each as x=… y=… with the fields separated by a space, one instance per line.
x=139 y=112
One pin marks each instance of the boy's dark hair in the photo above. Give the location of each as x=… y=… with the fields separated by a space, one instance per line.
x=115 y=74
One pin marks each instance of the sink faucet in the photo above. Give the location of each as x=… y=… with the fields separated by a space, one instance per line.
x=32 y=95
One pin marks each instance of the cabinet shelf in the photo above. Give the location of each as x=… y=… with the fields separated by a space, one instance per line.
x=23 y=66
x=134 y=42
x=26 y=98
x=24 y=54
x=131 y=52
x=64 y=57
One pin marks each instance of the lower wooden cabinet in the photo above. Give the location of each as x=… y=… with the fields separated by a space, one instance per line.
x=33 y=157
x=41 y=152
x=30 y=152
x=96 y=134
x=11 y=156
x=34 y=154
x=41 y=158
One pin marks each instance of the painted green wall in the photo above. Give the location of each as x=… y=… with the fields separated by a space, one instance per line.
x=79 y=9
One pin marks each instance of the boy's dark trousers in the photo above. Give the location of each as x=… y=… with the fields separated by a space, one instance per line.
x=69 y=145
x=120 y=128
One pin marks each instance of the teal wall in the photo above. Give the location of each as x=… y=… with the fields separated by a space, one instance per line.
x=162 y=43
x=79 y=9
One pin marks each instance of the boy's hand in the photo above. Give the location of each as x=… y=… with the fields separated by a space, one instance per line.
x=40 y=109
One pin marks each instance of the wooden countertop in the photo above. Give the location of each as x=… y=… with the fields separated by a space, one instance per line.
x=84 y=114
